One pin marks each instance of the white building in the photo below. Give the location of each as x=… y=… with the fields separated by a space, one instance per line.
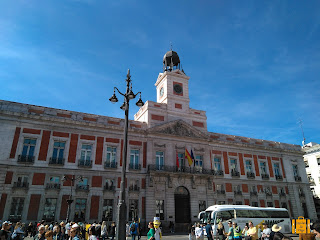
x=41 y=145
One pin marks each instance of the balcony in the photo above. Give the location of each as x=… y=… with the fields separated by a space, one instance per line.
x=134 y=188
x=265 y=176
x=85 y=163
x=53 y=186
x=23 y=185
x=282 y=194
x=110 y=165
x=269 y=194
x=111 y=188
x=221 y=192
x=219 y=173
x=191 y=170
x=25 y=159
x=80 y=187
x=253 y=193
x=235 y=173
x=56 y=161
x=251 y=175
x=297 y=178
x=135 y=166
x=279 y=177
x=237 y=192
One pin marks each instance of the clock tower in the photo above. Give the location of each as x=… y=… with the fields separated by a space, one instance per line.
x=172 y=97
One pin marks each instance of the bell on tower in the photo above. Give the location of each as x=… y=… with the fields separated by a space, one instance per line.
x=171 y=61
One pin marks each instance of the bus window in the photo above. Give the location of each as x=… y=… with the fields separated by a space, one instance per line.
x=243 y=214
x=225 y=215
x=278 y=214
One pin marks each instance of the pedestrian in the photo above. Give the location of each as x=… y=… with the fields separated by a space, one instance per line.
x=73 y=234
x=150 y=234
x=191 y=231
x=112 y=230
x=275 y=230
x=245 y=231
x=104 y=230
x=266 y=232
x=252 y=231
x=220 y=230
x=209 y=232
x=17 y=234
x=316 y=229
x=4 y=232
x=230 y=231
x=49 y=235
x=237 y=234
x=198 y=232
x=127 y=230
x=30 y=230
x=41 y=232
x=134 y=229
x=57 y=235
x=171 y=226
x=98 y=230
x=92 y=233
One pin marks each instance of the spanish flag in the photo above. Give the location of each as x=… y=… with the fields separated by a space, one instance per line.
x=188 y=156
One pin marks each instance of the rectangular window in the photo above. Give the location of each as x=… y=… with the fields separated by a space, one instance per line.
x=217 y=163
x=160 y=209
x=134 y=158
x=233 y=164
x=248 y=166
x=199 y=161
x=107 y=209
x=134 y=185
x=202 y=205
x=295 y=170
x=49 y=209
x=254 y=204
x=159 y=160
x=181 y=161
x=111 y=157
x=80 y=210
x=54 y=182
x=276 y=168
x=270 y=204
x=133 y=209
x=83 y=185
x=238 y=202
x=22 y=181
x=109 y=184
x=16 y=208
x=28 y=147
x=85 y=158
x=253 y=188
x=263 y=167
x=58 y=152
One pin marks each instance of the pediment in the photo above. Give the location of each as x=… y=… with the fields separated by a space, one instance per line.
x=178 y=128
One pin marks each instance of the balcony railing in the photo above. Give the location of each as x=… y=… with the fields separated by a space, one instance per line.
x=265 y=176
x=135 y=166
x=107 y=187
x=53 y=186
x=251 y=175
x=218 y=173
x=297 y=178
x=192 y=170
x=21 y=185
x=253 y=193
x=268 y=193
x=56 y=161
x=134 y=188
x=237 y=192
x=25 y=159
x=110 y=165
x=85 y=163
x=221 y=192
x=279 y=177
x=282 y=194
x=81 y=187
x=235 y=173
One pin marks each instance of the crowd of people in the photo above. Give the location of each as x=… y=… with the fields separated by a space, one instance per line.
x=198 y=231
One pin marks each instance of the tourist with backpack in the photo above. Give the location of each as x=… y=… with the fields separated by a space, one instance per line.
x=134 y=229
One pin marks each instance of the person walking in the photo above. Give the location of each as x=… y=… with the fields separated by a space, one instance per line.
x=245 y=231
x=198 y=232
x=4 y=232
x=230 y=231
x=220 y=231
x=209 y=232
x=275 y=230
x=112 y=230
x=49 y=235
x=265 y=232
x=134 y=229
x=41 y=232
x=104 y=231
x=252 y=231
x=92 y=233
x=151 y=232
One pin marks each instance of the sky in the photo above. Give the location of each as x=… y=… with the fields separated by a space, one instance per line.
x=254 y=66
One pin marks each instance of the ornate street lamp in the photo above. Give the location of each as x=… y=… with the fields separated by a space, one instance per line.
x=122 y=208
x=70 y=200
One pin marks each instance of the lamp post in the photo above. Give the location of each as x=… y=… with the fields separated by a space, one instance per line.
x=70 y=200
x=122 y=208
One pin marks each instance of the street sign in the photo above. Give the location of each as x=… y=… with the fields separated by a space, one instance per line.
x=300 y=225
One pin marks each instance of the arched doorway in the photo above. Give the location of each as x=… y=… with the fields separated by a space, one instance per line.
x=182 y=205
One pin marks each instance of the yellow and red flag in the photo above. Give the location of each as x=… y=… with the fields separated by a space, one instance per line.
x=188 y=156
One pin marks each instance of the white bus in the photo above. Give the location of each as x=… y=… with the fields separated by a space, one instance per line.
x=242 y=214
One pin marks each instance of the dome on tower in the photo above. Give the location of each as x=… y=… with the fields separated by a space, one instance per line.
x=171 y=60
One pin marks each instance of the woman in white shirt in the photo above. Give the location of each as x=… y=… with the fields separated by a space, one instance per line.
x=199 y=232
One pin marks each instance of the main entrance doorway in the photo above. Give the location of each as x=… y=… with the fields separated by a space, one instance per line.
x=182 y=205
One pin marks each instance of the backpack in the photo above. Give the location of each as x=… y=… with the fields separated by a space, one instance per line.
x=132 y=227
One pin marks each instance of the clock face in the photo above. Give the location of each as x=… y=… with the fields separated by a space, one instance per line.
x=161 y=92
x=177 y=88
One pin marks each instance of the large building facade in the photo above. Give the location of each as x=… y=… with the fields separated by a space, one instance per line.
x=43 y=148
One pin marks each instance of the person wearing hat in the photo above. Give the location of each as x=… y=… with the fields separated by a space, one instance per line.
x=4 y=232
x=275 y=230
x=266 y=232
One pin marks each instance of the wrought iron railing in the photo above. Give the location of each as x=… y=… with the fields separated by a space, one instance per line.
x=25 y=159
x=135 y=166
x=81 y=187
x=56 y=161
x=253 y=193
x=53 y=186
x=221 y=192
x=265 y=176
x=237 y=192
x=134 y=188
x=193 y=170
x=110 y=165
x=279 y=177
x=235 y=173
x=21 y=185
x=107 y=187
x=85 y=163
x=251 y=175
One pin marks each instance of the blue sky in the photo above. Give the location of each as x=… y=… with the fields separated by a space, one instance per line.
x=254 y=66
